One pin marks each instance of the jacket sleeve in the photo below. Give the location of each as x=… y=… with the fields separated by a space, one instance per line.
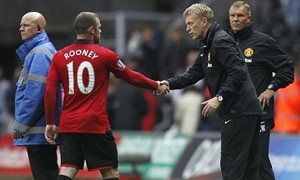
x=190 y=77
x=280 y=63
x=229 y=56
x=31 y=106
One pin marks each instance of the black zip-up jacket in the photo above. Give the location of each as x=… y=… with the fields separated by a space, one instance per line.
x=263 y=57
x=221 y=62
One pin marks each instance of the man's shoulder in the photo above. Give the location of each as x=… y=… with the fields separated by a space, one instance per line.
x=261 y=35
x=222 y=37
x=46 y=48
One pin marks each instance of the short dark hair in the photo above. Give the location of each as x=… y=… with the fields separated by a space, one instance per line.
x=84 y=20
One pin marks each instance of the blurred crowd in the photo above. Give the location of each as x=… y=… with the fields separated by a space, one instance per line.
x=160 y=54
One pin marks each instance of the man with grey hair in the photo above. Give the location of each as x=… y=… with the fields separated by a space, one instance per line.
x=221 y=63
x=263 y=57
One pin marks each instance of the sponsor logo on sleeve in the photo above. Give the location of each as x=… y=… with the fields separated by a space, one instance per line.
x=121 y=65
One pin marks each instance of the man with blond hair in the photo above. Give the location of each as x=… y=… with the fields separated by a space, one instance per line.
x=221 y=63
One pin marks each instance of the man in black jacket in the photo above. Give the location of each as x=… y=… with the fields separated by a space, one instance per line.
x=221 y=62
x=264 y=58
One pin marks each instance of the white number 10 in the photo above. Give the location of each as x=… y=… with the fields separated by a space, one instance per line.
x=91 y=77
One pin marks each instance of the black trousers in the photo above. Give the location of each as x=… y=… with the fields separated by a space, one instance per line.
x=43 y=161
x=239 y=148
x=265 y=167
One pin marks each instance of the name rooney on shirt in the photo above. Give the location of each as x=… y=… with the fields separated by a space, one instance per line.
x=81 y=52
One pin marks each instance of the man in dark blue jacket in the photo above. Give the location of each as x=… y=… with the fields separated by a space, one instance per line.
x=270 y=68
x=36 y=53
x=221 y=63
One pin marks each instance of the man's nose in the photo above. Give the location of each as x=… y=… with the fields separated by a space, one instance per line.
x=235 y=18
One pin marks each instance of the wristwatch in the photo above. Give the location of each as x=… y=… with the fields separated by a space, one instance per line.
x=271 y=87
x=220 y=98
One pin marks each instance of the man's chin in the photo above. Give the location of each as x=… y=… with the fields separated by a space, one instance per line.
x=196 y=38
x=235 y=29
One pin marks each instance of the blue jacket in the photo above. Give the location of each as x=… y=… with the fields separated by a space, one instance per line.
x=36 y=54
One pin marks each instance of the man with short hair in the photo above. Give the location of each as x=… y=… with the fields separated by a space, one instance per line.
x=221 y=63
x=36 y=53
x=84 y=68
x=263 y=57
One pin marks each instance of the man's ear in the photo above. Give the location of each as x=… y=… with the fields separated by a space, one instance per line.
x=91 y=30
x=205 y=20
x=38 y=29
x=249 y=19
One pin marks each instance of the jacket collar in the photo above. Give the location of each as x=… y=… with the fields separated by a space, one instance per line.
x=244 y=33
x=28 y=45
x=206 y=42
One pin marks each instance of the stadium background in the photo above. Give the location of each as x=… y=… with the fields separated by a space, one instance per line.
x=119 y=19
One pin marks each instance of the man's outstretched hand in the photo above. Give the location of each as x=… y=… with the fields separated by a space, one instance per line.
x=162 y=89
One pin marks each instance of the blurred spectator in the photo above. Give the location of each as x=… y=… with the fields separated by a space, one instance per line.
x=265 y=13
x=144 y=45
x=291 y=10
x=189 y=59
x=111 y=92
x=4 y=114
x=287 y=106
x=153 y=114
x=174 y=52
x=10 y=97
x=187 y=112
x=129 y=107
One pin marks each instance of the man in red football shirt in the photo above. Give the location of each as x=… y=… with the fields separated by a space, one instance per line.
x=83 y=68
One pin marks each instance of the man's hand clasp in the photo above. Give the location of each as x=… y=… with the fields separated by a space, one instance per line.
x=162 y=89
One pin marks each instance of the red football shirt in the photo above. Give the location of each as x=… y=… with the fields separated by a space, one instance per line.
x=83 y=69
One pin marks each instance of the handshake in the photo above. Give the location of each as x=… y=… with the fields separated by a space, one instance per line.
x=162 y=89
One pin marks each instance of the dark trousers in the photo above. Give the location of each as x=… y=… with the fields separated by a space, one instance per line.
x=265 y=167
x=239 y=148
x=43 y=161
